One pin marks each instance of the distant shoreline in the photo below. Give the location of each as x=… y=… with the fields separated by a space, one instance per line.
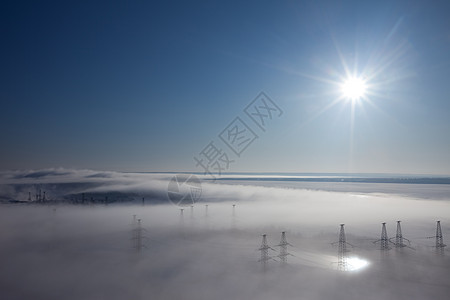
x=424 y=180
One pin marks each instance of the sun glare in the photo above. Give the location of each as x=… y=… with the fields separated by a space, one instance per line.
x=354 y=88
x=355 y=264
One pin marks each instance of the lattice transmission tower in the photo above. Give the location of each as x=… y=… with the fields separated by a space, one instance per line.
x=384 y=240
x=439 y=239
x=399 y=239
x=206 y=218
x=191 y=217
x=181 y=220
x=233 y=217
x=138 y=237
x=342 y=264
x=133 y=231
x=264 y=252
x=283 y=254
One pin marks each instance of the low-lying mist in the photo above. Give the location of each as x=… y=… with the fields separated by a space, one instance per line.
x=65 y=251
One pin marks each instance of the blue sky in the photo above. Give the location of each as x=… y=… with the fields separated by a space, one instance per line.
x=145 y=86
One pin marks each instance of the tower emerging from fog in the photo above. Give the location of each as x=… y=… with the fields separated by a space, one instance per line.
x=439 y=239
x=137 y=235
x=233 y=217
x=264 y=252
x=384 y=240
x=191 y=217
x=133 y=231
x=206 y=218
x=399 y=239
x=181 y=217
x=283 y=248
x=342 y=250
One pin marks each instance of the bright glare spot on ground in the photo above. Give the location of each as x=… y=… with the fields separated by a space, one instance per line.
x=354 y=88
x=355 y=263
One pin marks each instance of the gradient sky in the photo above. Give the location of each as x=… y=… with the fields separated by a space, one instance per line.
x=145 y=86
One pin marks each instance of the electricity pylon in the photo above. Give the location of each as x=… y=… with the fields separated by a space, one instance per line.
x=264 y=252
x=191 y=216
x=133 y=232
x=439 y=240
x=233 y=218
x=399 y=239
x=206 y=219
x=283 y=249
x=137 y=235
x=342 y=250
x=384 y=240
x=181 y=217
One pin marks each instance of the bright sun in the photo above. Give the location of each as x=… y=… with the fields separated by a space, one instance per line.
x=354 y=88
